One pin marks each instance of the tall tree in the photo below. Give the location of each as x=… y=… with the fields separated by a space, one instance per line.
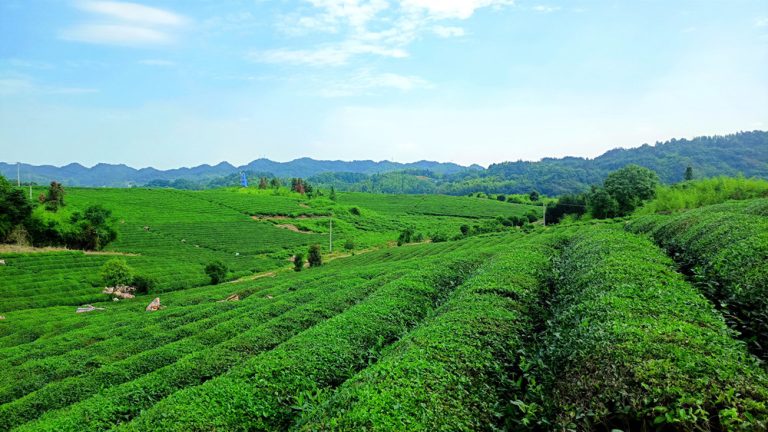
x=689 y=173
x=630 y=186
x=14 y=207
x=263 y=183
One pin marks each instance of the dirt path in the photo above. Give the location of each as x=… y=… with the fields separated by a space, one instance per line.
x=31 y=249
x=293 y=228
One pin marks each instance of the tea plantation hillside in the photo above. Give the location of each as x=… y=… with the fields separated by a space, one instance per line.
x=171 y=235
x=644 y=323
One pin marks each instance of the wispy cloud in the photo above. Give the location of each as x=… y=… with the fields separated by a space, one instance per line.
x=366 y=81
x=126 y=24
x=157 y=62
x=546 y=9
x=133 y=12
x=332 y=55
x=369 y=27
x=446 y=32
x=14 y=85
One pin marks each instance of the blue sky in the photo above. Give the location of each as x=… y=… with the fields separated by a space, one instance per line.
x=170 y=83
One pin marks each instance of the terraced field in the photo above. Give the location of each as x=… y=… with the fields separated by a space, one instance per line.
x=174 y=234
x=580 y=327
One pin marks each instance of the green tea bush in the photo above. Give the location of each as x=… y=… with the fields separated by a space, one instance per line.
x=262 y=394
x=632 y=346
x=724 y=248
x=456 y=371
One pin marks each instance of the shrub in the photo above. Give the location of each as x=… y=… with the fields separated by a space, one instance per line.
x=144 y=284
x=633 y=346
x=355 y=211
x=116 y=272
x=349 y=245
x=217 y=271
x=315 y=258
x=298 y=262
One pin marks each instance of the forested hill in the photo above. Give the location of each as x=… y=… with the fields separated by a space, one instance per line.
x=121 y=175
x=744 y=153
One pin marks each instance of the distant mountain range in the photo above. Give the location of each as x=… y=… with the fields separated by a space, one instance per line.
x=744 y=153
x=110 y=175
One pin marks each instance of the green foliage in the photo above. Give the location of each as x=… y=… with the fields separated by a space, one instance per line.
x=144 y=284
x=688 y=173
x=451 y=373
x=14 y=208
x=217 y=271
x=298 y=262
x=116 y=272
x=315 y=258
x=699 y=193
x=55 y=197
x=632 y=346
x=349 y=245
x=601 y=204
x=631 y=186
x=566 y=205
x=724 y=249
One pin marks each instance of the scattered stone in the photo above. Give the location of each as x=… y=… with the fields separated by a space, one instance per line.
x=87 y=308
x=120 y=291
x=114 y=299
x=183 y=240
x=237 y=253
x=269 y=297
x=233 y=297
x=2 y=262
x=154 y=305
x=2 y=317
x=146 y=228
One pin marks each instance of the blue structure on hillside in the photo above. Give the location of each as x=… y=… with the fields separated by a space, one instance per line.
x=243 y=180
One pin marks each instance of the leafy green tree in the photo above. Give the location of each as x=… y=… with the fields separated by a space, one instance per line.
x=274 y=183
x=464 y=230
x=217 y=271
x=333 y=194
x=262 y=183
x=349 y=245
x=14 y=208
x=298 y=262
x=55 y=197
x=533 y=196
x=630 y=186
x=116 y=272
x=601 y=204
x=315 y=259
x=501 y=198
x=689 y=173
x=93 y=229
x=566 y=205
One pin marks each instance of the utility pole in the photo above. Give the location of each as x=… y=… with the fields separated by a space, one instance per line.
x=18 y=174
x=330 y=234
x=545 y=213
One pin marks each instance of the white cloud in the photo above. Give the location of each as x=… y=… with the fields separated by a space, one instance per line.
x=23 y=85
x=446 y=32
x=377 y=27
x=366 y=81
x=157 y=62
x=445 y=9
x=332 y=55
x=115 y=35
x=125 y=24
x=546 y=9
x=132 y=12
x=761 y=22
